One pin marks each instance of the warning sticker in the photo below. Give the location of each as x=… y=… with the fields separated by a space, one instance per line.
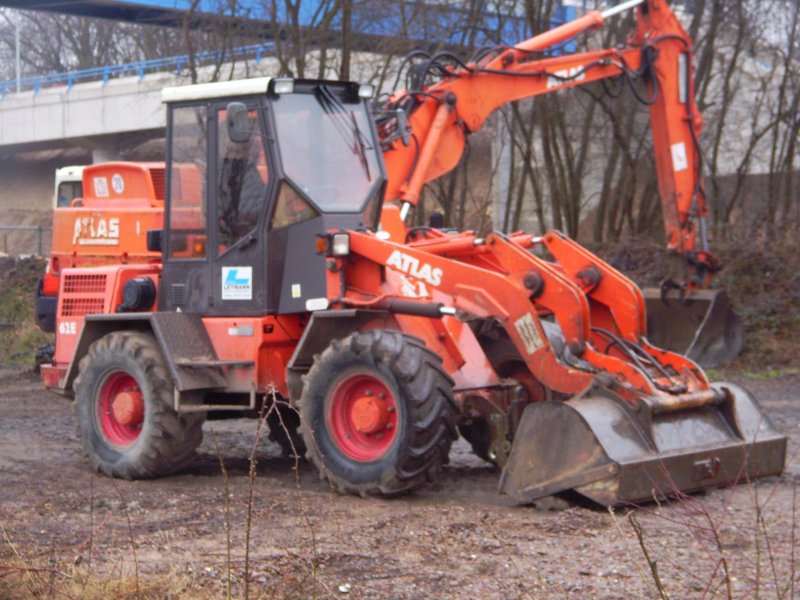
x=679 y=160
x=101 y=187
x=118 y=183
x=237 y=283
x=529 y=333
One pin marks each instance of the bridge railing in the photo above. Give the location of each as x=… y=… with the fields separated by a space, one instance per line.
x=21 y=240
x=139 y=68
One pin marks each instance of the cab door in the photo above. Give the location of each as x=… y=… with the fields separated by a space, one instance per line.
x=240 y=187
x=186 y=275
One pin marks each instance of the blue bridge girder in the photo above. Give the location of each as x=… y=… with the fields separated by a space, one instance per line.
x=373 y=21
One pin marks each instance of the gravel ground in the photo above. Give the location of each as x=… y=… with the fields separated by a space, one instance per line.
x=71 y=533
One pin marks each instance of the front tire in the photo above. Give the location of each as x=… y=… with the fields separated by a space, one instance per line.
x=123 y=401
x=377 y=413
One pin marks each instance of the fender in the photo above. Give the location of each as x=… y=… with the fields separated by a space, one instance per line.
x=182 y=338
x=324 y=326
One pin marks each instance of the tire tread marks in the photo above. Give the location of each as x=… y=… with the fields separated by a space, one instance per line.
x=168 y=439
x=427 y=390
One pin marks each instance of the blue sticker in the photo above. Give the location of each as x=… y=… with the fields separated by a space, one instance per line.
x=237 y=283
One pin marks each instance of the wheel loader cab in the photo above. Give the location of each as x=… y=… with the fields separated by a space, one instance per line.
x=256 y=169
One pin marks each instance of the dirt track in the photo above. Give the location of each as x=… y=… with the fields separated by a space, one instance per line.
x=456 y=539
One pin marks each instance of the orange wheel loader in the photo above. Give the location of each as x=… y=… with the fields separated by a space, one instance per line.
x=106 y=223
x=287 y=287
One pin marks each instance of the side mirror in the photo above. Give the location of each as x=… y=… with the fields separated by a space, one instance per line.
x=239 y=127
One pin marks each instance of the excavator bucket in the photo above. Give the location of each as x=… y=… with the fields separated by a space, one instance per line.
x=702 y=326
x=612 y=453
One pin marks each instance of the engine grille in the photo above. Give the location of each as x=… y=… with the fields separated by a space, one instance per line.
x=84 y=294
x=78 y=307
x=85 y=284
x=158 y=175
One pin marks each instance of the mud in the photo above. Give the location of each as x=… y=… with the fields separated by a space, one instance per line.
x=455 y=539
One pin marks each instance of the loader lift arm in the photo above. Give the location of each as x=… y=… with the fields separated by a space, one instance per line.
x=424 y=128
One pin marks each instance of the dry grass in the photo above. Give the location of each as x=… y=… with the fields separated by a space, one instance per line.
x=18 y=290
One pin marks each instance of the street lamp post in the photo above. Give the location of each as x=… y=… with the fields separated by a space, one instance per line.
x=16 y=49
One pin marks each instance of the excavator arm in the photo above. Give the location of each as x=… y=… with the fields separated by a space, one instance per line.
x=424 y=128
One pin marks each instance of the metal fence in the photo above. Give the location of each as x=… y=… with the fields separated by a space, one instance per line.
x=171 y=63
x=21 y=240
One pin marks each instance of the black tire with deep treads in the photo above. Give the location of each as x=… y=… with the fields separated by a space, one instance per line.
x=426 y=412
x=479 y=436
x=167 y=440
x=283 y=421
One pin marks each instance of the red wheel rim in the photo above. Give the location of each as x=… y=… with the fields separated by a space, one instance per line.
x=120 y=409
x=362 y=417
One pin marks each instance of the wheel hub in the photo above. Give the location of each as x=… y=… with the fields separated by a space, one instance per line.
x=120 y=409
x=362 y=417
x=128 y=408
x=369 y=414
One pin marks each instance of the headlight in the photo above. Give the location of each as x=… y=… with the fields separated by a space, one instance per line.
x=283 y=85
x=340 y=244
x=366 y=90
x=333 y=244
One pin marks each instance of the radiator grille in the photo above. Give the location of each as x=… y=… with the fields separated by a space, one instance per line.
x=77 y=307
x=85 y=284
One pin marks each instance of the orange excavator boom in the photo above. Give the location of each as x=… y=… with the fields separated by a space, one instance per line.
x=424 y=133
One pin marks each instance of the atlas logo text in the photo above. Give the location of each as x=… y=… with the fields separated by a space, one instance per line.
x=95 y=231
x=412 y=266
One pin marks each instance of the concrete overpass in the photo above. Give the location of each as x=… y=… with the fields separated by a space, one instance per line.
x=106 y=115
x=91 y=115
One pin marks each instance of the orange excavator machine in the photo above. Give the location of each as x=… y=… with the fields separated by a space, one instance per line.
x=295 y=291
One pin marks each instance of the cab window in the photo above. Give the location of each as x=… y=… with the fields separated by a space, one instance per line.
x=187 y=214
x=68 y=191
x=242 y=177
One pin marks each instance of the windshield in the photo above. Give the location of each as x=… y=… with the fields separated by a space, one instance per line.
x=327 y=148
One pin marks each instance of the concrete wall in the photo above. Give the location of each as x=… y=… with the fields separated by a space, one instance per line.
x=26 y=195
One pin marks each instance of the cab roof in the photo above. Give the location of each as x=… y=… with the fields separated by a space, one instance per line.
x=220 y=89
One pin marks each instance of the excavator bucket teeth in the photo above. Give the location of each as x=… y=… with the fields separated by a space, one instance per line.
x=605 y=450
x=701 y=326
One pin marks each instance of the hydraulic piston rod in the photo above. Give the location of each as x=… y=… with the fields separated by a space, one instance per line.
x=615 y=10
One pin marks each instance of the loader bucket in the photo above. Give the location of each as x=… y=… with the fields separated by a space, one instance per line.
x=600 y=447
x=701 y=326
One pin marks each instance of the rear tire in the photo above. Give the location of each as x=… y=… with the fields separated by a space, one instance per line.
x=284 y=421
x=479 y=436
x=377 y=413
x=123 y=401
